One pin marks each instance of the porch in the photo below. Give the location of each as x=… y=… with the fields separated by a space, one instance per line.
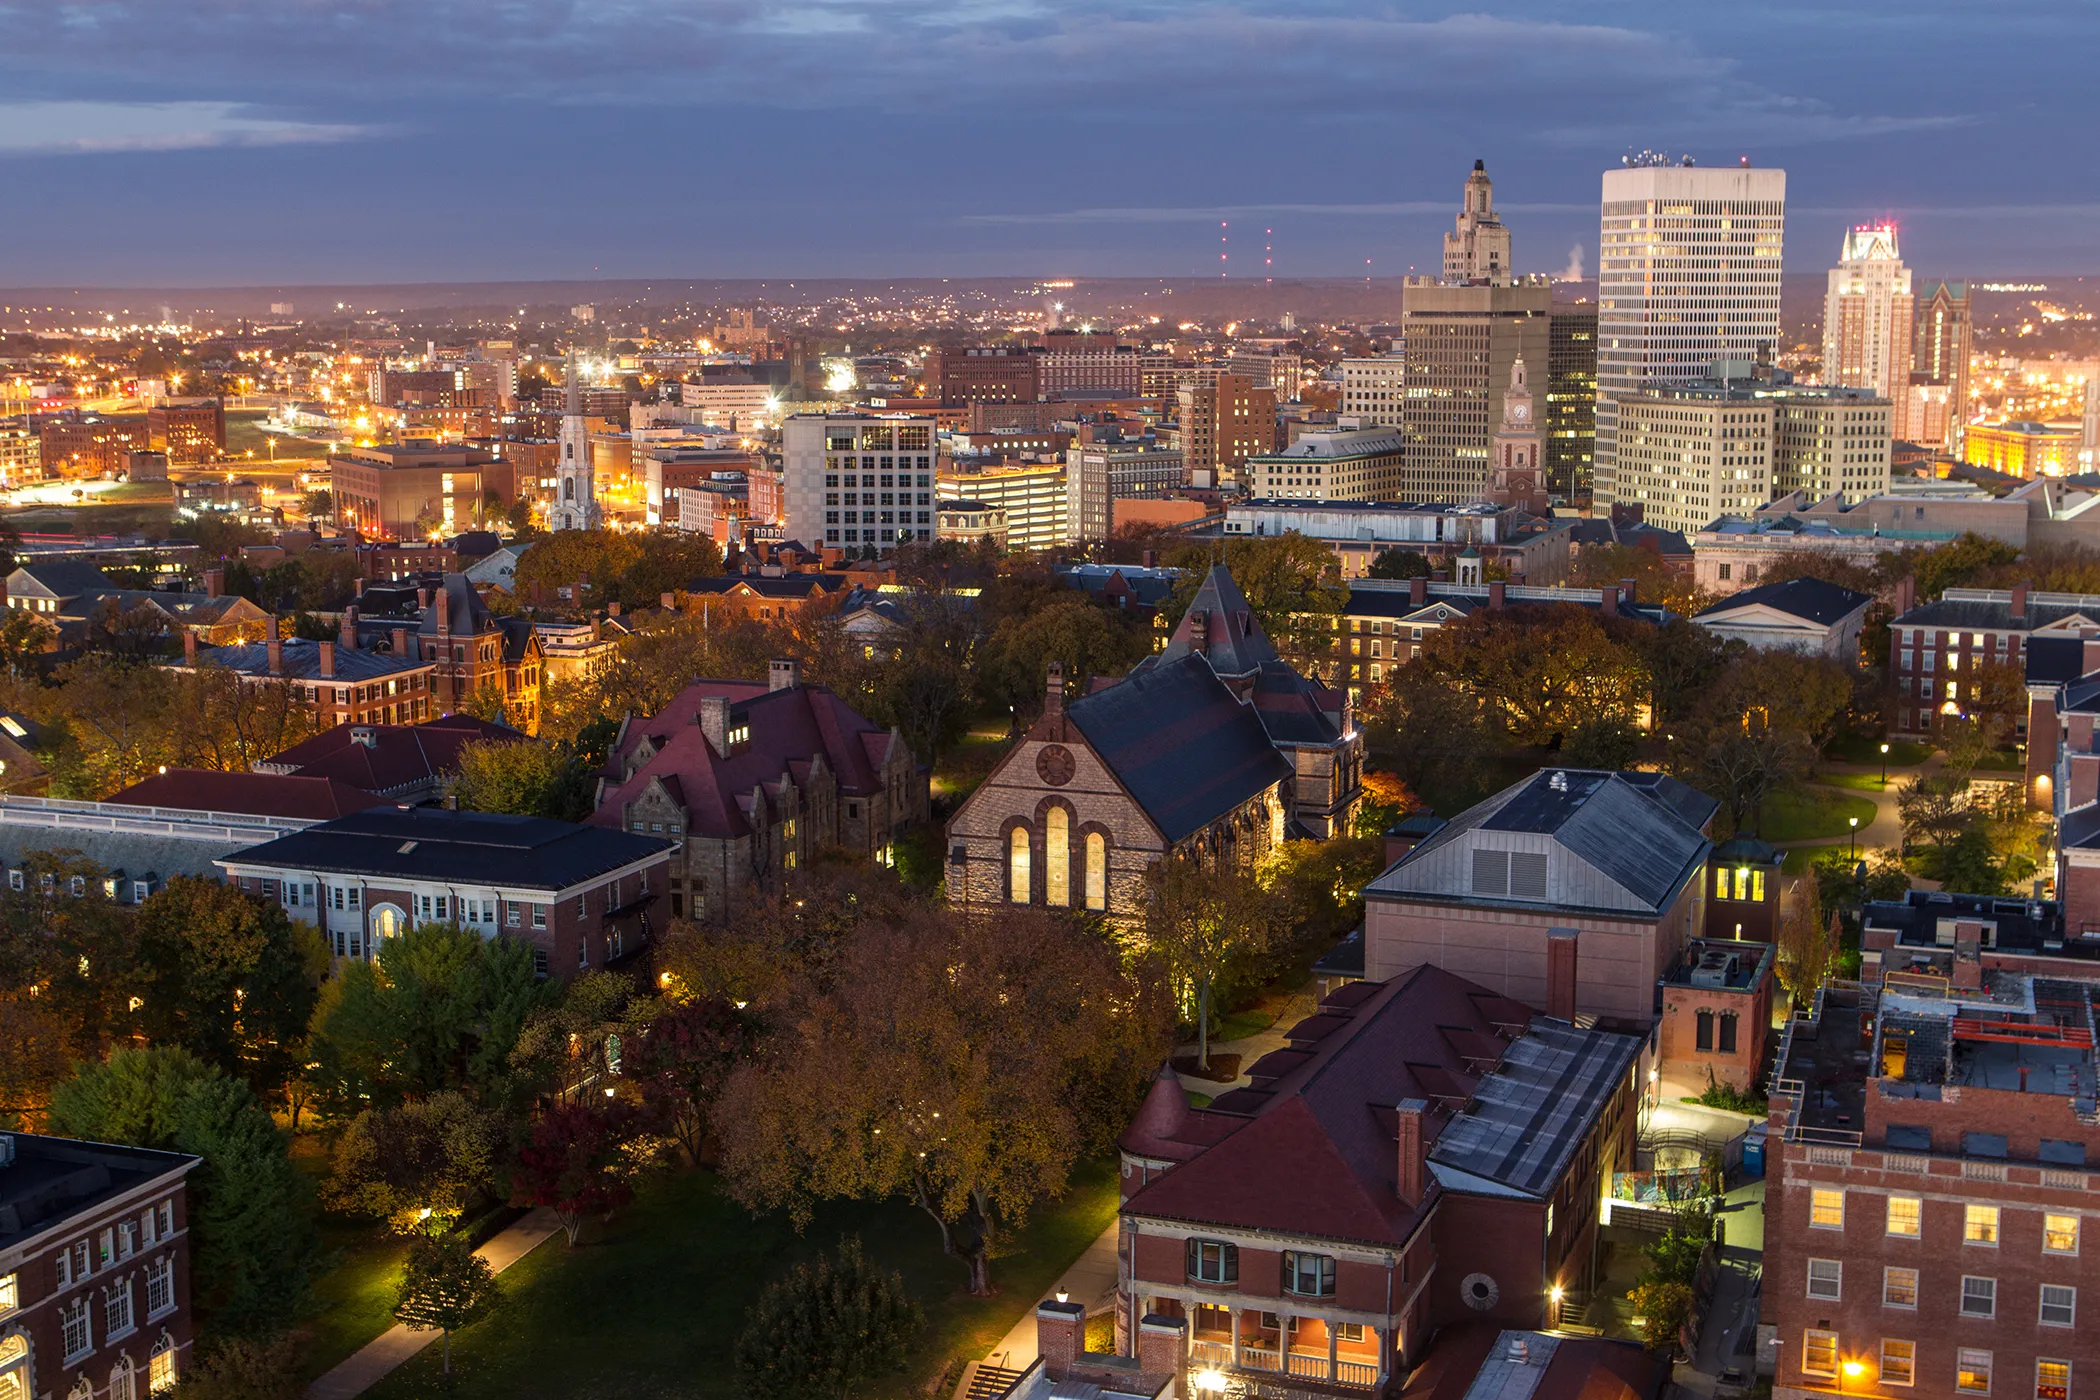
x=1346 y=1357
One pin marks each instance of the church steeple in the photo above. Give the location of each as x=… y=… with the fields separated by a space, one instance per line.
x=576 y=486
x=1516 y=459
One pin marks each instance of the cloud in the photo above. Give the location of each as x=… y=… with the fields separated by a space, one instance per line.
x=88 y=128
x=1441 y=208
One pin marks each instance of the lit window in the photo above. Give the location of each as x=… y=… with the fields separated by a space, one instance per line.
x=1824 y=1278
x=1308 y=1275
x=2059 y=1305
x=1899 y=1288
x=2052 y=1380
x=1979 y=1296
x=1826 y=1210
x=1905 y=1215
x=1899 y=1362
x=10 y=1299
x=1819 y=1353
x=1980 y=1225
x=1972 y=1371
x=2059 y=1234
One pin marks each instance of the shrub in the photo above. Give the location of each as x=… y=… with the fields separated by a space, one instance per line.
x=827 y=1329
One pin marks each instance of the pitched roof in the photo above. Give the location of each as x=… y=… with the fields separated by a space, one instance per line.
x=786 y=586
x=1180 y=742
x=67 y=578
x=2054 y=660
x=789 y=729
x=250 y=794
x=301 y=660
x=1812 y=599
x=387 y=758
x=1232 y=636
x=1477 y=1361
x=1526 y=1118
x=432 y=843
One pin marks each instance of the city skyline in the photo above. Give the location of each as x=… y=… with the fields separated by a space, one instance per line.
x=738 y=131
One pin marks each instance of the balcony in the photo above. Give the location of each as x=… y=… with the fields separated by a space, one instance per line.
x=1215 y=1353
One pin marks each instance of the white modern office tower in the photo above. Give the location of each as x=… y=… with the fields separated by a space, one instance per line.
x=576 y=479
x=857 y=483
x=1477 y=248
x=1687 y=273
x=1867 y=311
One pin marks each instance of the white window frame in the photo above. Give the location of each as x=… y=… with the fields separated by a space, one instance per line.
x=2067 y=1305
x=1818 y=1198
x=1826 y=1279
x=1909 y=1361
x=117 y=1318
x=1991 y=1286
x=1980 y=1225
x=1809 y=1344
x=160 y=1287
x=2054 y=1221
x=1963 y=1362
x=1916 y=1206
x=1889 y=1278
x=76 y=1323
x=2065 y=1390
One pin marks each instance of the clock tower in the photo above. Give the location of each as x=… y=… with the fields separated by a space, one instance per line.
x=1515 y=471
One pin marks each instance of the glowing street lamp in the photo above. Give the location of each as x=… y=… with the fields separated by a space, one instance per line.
x=1849 y=1372
x=1884 y=765
x=1855 y=834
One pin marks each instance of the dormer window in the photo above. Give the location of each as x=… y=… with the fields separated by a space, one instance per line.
x=739 y=736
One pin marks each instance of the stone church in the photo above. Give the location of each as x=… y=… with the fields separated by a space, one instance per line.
x=1213 y=748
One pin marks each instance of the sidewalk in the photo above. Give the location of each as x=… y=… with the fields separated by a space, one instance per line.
x=369 y=1364
x=1091 y=1280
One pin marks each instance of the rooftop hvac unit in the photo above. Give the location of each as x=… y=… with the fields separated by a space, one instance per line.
x=1715 y=969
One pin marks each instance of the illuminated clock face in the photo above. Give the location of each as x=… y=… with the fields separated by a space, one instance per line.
x=1520 y=412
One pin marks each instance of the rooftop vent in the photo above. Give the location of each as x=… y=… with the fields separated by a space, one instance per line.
x=1558 y=782
x=1714 y=969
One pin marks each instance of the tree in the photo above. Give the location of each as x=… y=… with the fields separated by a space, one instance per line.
x=242 y=1368
x=420 y=1163
x=1427 y=730
x=23 y=637
x=1293 y=584
x=828 y=1328
x=1805 y=945
x=682 y=1058
x=445 y=1286
x=1663 y=1307
x=319 y=505
x=1607 y=742
x=1073 y=631
x=524 y=777
x=1317 y=887
x=1538 y=672
x=1398 y=563
x=226 y=976
x=254 y=1251
x=1960 y=562
x=580 y=1162
x=1206 y=927
x=667 y=561
x=1654 y=581
x=1757 y=728
x=1682 y=659
x=1969 y=864
x=66 y=965
x=1934 y=808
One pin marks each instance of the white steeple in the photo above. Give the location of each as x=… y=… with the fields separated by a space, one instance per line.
x=576 y=488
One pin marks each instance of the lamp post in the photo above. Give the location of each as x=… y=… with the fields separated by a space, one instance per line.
x=1855 y=834
x=1884 y=765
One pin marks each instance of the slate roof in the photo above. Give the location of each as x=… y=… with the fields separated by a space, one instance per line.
x=1233 y=639
x=381 y=610
x=790 y=728
x=419 y=844
x=252 y=794
x=1525 y=1120
x=1811 y=599
x=786 y=586
x=1317 y=1154
x=1954 y=610
x=301 y=660
x=387 y=758
x=66 y=578
x=2054 y=660
x=1180 y=742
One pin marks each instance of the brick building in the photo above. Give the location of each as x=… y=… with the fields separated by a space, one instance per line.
x=75 y=444
x=1423 y=1153
x=1572 y=891
x=1223 y=423
x=94 y=1269
x=470 y=650
x=400 y=762
x=983 y=374
x=1937 y=649
x=582 y=896
x=407 y=490
x=342 y=681
x=1928 y=1189
x=1716 y=1017
x=752 y=781
x=189 y=431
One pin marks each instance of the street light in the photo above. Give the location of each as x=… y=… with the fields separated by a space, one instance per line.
x=1855 y=834
x=1884 y=765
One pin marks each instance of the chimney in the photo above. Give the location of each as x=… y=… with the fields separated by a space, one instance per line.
x=214 y=583
x=189 y=647
x=783 y=673
x=1498 y=591
x=612 y=609
x=327 y=661
x=274 y=647
x=1561 y=948
x=441 y=599
x=360 y=585
x=423 y=599
x=1054 y=692
x=1906 y=594
x=1060 y=1335
x=1148 y=556
x=1418 y=591
x=1968 y=963
x=1609 y=603
x=714 y=722
x=1626 y=590
x=1162 y=1348
x=401 y=641
x=1411 y=1153
x=348 y=639
x=2019 y=601
x=668 y=600
x=1199 y=631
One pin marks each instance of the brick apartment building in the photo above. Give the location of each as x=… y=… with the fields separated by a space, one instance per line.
x=189 y=431
x=75 y=444
x=1422 y=1154
x=582 y=896
x=1937 y=648
x=406 y=490
x=983 y=374
x=342 y=681
x=1223 y=423
x=1926 y=1201
x=750 y=782
x=94 y=1269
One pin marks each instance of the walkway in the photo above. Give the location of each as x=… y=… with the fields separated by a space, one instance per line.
x=367 y=1366
x=1091 y=1280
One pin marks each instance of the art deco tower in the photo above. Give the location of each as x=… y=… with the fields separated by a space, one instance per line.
x=1477 y=250
x=1867 y=320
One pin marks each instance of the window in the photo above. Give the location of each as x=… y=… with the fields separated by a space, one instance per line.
x=1899 y=1288
x=165 y=1213
x=1972 y=1371
x=1979 y=1296
x=2059 y=1305
x=2052 y=1379
x=10 y=1296
x=14 y=1367
x=1899 y=1362
x=1728 y=1019
x=2059 y=1234
x=116 y=1309
x=1826 y=1210
x=1703 y=1034
x=1057 y=858
x=1212 y=1261
x=1906 y=1215
x=160 y=1286
x=1017 y=866
x=1979 y=1225
x=1819 y=1353
x=539 y=916
x=1308 y=1275
x=513 y=914
x=1096 y=870
x=76 y=1332
x=583 y=950
x=1825 y=1277
x=122 y=1381
x=160 y=1371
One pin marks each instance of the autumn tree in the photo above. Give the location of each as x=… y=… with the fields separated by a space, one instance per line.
x=1806 y=948
x=1398 y=563
x=1539 y=672
x=1208 y=927
x=421 y=1162
x=581 y=1162
x=1654 y=580
x=524 y=777
x=1757 y=729
x=682 y=1058
x=1292 y=583
x=445 y=1286
x=1427 y=730
x=66 y=967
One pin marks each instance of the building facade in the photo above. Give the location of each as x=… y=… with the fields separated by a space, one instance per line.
x=1941 y=357
x=1371 y=389
x=1459 y=345
x=189 y=431
x=1036 y=498
x=409 y=490
x=857 y=482
x=1571 y=400
x=1351 y=464
x=1867 y=333
x=1477 y=249
x=1100 y=473
x=1223 y=423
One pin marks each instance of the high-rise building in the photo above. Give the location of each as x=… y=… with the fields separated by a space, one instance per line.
x=1688 y=262
x=1867 y=342
x=576 y=478
x=1223 y=423
x=1458 y=346
x=856 y=482
x=1100 y=473
x=1371 y=388
x=1352 y=464
x=1945 y=319
x=1477 y=250
x=984 y=374
x=1571 y=400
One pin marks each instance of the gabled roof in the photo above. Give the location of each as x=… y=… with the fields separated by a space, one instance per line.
x=417 y=844
x=1811 y=599
x=388 y=758
x=250 y=794
x=790 y=729
x=1232 y=636
x=64 y=578
x=786 y=586
x=1180 y=742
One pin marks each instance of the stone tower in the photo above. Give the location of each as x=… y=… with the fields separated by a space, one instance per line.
x=1477 y=250
x=576 y=489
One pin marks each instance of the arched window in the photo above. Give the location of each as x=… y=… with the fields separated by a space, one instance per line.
x=1057 y=857
x=388 y=922
x=14 y=1367
x=83 y=1389
x=160 y=1371
x=1017 y=866
x=122 y=1386
x=1096 y=870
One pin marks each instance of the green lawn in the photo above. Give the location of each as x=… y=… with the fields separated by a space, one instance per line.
x=1857 y=782
x=2002 y=761
x=653 y=1309
x=1863 y=748
x=969 y=763
x=353 y=1298
x=1812 y=815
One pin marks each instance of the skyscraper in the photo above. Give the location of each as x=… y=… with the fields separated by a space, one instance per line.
x=576 y=480
x=1570 y=417
x=1459 y=344
x=1687 y=273
x=1942 y=354
x=1477 y=250
x=1867 y=320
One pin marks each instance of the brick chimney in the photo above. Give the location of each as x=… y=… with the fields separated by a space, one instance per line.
x=348 y=637
x=1418 y=591
x=423 y=599
x=2019 y=601
x=441 y=599
x=401 y=642
x=273 y=646
x=1149 y=557
x=783 y=673
x=189 y=646
x=714 y=722
x=1609 y=605
x=1968 y=961
x=1411 y=1154
x=1162 y=1348
x=327 y=661
x=360 y=585
x=214 y=583
x=1906 y=594
x=1626 y=590
x=1561 y=949
x=612 y=609
x=1060 y=1335
x=1054 y=692
x=1498 y=593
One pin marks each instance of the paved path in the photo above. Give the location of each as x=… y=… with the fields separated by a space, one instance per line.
x=369 y=1364
x=1091 y=1280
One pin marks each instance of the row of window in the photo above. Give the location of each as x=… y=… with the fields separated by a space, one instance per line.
x=2056 y=1305
x=83 y=1258
x=113 y=886
x=1905 y=1216
x=1057 y=864
x=900 y=517
x=1216 y=1261
x=1973 y=1366
x=77 y=1321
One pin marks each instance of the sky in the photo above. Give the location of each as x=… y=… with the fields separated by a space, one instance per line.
x=251 y=142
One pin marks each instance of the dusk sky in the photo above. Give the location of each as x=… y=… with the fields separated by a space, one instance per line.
x=232 y=141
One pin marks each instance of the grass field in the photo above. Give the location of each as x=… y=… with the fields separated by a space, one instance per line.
x=969 y=763
x=1860 y=748
x=652 y=1309
x=1857 y=782
x=1813 y=816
